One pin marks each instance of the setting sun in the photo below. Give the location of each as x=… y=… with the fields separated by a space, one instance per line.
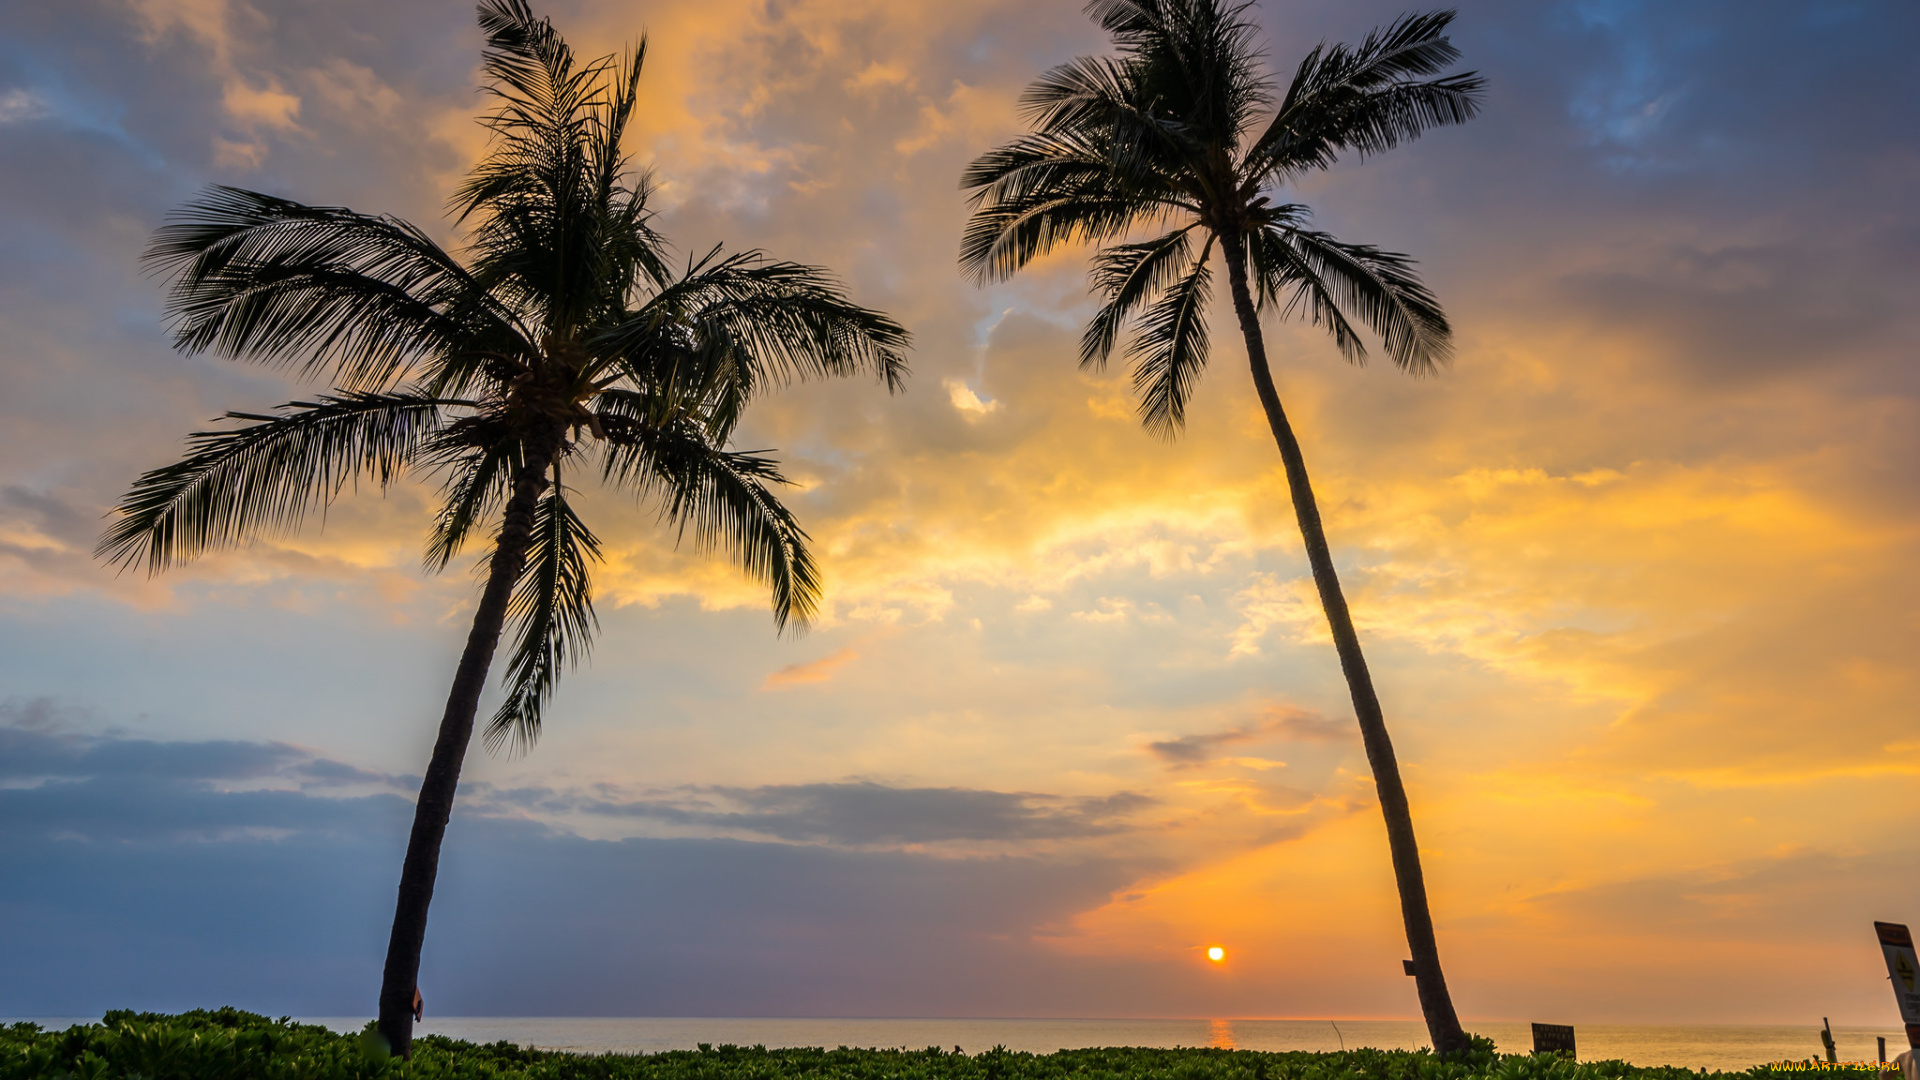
x=1216 y=954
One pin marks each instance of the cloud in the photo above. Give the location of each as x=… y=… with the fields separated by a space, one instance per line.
x=63 y=787
x=267 y=106
x=1791 y=893
x=1195 y=749
x=252 y=102
x=22 y=106
x=863 y=813
x=965 y=399
x=39 y=741
x=356 y=90
x=812 y=671
x=1280 y=723
x=1301 y=725
x=1267 y=603
x=277 y=899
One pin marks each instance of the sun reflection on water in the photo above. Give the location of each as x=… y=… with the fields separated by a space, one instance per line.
x=1220 y=1037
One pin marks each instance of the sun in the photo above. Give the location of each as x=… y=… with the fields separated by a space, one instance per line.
x=1216 y=954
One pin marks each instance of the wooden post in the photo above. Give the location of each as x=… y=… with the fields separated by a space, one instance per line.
x=1826 y=1040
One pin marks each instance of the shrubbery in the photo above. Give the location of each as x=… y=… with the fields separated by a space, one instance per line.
x=228 y=1044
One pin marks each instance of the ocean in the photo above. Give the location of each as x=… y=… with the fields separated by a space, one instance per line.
x=1721 y=1047
x=1695 y=1046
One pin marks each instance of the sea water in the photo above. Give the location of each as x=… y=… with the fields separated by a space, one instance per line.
x=1720 y=1047
x=1729 y=1047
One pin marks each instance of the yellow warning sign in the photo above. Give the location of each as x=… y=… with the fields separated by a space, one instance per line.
x=1903 y=968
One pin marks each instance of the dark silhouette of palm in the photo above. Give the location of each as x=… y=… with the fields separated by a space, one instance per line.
x=1184 y=131
x=564 y=346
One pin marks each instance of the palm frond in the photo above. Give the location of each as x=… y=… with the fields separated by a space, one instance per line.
x=1104 y=102
x=1330 y=279
x=1367 y=98
x=543 y=121
x=1128 y=276
x=1086 y=89
x=522 y=52
x=757 y=322
x=1131 y=22
x=323 y=290
x=1046 y=164
x=476 y=484
x=635 y=253
x=1192 y=61
x=1170 y=349
x=1107 y=156
x=263 y=478
x=723 y=498
x=1002 y=237
x=552 y=615
x=561 y=230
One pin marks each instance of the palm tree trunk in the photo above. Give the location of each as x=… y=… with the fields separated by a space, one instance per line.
x=435 y=804
x=1443 y=1025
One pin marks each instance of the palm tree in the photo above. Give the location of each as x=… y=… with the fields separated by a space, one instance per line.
x=563 y=345
x=1182 y=129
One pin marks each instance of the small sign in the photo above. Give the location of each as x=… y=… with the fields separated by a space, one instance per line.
x=1903 y=971
x=1903 y=967
x=1553 y=1039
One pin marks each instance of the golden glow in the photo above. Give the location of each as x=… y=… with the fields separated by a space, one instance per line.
x=1646 y=639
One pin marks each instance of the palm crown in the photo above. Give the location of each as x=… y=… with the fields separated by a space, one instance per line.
x=1183 y=128
x=565 y=342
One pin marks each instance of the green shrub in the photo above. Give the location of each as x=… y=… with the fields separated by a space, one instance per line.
x=227 y=1044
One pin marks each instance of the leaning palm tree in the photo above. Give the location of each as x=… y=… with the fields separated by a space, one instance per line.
x=564 y=345
x=1183 y=131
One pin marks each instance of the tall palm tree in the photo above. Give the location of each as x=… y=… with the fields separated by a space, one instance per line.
x=563 y=345
x=1184 y=129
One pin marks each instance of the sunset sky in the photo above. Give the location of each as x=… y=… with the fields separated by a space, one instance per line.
x=1637 y=576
